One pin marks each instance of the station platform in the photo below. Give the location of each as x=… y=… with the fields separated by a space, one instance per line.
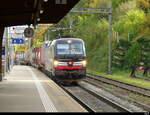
x=26 y=89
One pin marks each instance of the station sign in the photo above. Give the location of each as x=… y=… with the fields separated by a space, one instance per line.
x=17 y=41
x=20 y=48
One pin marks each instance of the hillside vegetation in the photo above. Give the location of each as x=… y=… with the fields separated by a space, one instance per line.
x=130 y=37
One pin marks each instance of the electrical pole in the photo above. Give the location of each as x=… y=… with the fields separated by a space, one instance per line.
x=110 y=39
x=70 y=22
x=117 y=37
x=106 y=11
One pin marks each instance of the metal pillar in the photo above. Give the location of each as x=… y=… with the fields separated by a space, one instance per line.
x=6 y=50
x=1 y=41
x=110 y=39
x=70 y=23
x=106 y=11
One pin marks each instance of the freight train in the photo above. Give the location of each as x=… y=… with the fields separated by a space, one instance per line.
x=64 y=59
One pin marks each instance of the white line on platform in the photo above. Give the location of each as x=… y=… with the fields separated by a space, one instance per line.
x=48 y=105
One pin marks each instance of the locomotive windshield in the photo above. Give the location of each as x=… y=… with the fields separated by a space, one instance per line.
x=72 y=48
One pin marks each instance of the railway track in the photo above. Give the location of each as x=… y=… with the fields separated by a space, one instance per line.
x=129 y=87
x=93 y=101
x=102 y=86
x=147 y=79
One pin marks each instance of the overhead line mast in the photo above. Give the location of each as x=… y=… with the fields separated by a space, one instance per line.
x=105 y=11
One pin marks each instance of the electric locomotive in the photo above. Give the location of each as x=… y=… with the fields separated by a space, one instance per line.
x=67 y=59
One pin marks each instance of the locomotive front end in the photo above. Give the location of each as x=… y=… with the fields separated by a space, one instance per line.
x=70 y=60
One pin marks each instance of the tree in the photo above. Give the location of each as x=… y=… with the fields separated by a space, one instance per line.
x=38 y=37
x=144 y=5
x=130 y=23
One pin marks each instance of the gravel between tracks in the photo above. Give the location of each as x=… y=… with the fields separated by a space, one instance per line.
x=96 y=104
x=120 y=101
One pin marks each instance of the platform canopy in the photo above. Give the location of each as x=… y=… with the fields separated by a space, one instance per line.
x=22 y=12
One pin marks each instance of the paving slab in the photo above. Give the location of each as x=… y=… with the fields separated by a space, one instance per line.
x=26 y=89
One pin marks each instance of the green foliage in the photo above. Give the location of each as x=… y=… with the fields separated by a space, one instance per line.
x=123 y=8
x=128 y=19
x=119 y=53
x=38 y=38
x=132 y=56
x=145 y=50
x=123 y=76
x=130 y=23
x=144 y=5
x=95 y=42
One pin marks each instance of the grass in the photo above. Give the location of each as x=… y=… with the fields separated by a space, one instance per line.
x=109 y=86
x=139 y=98
x=123 y=76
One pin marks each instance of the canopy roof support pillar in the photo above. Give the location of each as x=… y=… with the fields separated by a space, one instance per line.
x=1 y=42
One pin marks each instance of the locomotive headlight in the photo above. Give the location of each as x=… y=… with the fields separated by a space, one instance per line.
x=84 y=62
x=55 y=63
x=69 y=41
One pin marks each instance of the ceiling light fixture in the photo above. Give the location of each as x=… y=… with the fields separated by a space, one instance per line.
x=41 y=11
x=45 y=0
x=38 y=19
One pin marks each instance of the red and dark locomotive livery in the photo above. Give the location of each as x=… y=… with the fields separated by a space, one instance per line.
x=68 y=59
x=64 y=59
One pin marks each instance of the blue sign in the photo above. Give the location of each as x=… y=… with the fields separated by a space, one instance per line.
x=3 y=50
x=17 y=41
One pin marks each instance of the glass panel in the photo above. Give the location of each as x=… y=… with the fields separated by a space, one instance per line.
x=62 y=48
x=73 y=48
x=76 y=48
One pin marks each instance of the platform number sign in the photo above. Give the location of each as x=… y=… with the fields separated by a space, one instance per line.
x=17 y=41
x=61 y=2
